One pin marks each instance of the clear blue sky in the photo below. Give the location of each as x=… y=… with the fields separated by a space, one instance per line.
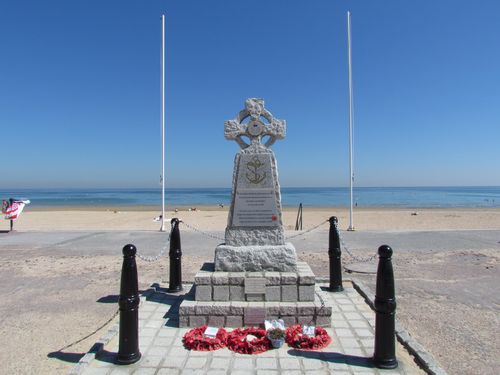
x=80 y=90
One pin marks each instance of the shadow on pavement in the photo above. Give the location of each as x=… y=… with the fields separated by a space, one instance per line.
x=107 y=356
x=161 y=295
x=66 y=357
x=112 y=298
x=334 y=357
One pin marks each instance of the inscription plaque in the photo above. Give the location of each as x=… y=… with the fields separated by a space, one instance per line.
x=255 y=208
x=255 y=315
x=255 y=285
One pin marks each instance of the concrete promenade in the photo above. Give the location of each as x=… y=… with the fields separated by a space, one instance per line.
x=162 y=350
x=149 y=243
x=445 y=280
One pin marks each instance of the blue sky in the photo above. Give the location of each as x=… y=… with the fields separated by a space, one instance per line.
x=80 y=91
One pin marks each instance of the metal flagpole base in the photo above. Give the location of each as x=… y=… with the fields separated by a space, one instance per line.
x=162 y=227
x=351 y=229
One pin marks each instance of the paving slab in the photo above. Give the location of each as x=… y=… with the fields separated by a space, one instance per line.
x=160 y=342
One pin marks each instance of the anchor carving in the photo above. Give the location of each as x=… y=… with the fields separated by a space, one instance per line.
x=254 y=177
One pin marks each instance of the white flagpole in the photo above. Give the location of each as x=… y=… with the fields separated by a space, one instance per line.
x=351 y=173
x=162 y=229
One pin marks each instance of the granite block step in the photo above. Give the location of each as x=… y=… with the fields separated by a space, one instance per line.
x=258 y=286
x=193 y=313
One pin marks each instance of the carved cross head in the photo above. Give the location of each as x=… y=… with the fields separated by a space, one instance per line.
x=260 y=124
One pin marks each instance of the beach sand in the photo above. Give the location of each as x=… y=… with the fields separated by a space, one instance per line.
x=215 y=218
x=53 y=298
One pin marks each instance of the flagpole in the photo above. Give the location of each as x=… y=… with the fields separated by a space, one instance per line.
x=351 y=173
x=162 y=229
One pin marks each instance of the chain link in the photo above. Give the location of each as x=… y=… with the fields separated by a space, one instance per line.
x=203 y=232
x=307 y=231
x=349 y=252
x=223 y=239
x=151 y=259
x=343 y=244
x=90 y=334
x=162 y=252
x=320 y=309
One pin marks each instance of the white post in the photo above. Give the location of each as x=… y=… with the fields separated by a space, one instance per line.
x=162 y=229
x=351 y=173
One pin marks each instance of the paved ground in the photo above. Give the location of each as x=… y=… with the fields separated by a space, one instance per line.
x=446 y=283
x=149 y=243
x=163 y=352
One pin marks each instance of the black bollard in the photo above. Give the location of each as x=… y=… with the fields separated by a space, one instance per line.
x=128 y=350
x=175 y=254
x=384 y=356
x=335 y=253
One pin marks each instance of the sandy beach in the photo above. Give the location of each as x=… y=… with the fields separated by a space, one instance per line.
x=53 y=296
x=215 y=218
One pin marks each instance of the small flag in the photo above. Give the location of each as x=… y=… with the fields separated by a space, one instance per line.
x=13 y=211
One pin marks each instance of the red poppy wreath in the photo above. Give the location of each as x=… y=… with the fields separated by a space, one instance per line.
x=196 y=340
x=296 y=339
x=237 y=341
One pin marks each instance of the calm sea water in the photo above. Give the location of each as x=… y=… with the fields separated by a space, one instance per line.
x=411 y=197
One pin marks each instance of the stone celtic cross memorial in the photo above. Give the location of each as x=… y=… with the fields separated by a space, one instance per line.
x=254 y=234
x=255 y=275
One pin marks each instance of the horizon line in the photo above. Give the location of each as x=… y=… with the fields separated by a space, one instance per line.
x=229 y=187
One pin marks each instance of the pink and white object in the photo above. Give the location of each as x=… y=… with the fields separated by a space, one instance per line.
x=13 y=211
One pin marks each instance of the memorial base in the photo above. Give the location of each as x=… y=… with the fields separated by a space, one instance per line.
x=235 y=314
x=281 y=258
x=237 y=299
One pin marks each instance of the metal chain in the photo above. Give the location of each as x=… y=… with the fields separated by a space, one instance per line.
x=90 y=334
x=190 y=226
x=320 y=309
x=202 y=232
x=158 y=256
x=307 y=231
x=349 y=252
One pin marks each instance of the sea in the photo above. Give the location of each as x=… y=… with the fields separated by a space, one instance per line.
x=391 y=197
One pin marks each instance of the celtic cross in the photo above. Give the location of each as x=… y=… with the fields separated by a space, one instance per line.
x=255 y=129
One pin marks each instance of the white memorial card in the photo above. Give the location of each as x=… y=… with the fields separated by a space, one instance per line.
x=211 y=332
x=309 y=331
x=269 y=324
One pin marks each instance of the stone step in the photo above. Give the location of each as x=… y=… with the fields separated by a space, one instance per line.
x=233 y=314
x=267 y=286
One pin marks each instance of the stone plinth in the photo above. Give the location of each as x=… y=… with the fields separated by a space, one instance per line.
x=255 y=216
x=267 y=286
x=234 y=314
x=256 y=258
x=235 y=299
